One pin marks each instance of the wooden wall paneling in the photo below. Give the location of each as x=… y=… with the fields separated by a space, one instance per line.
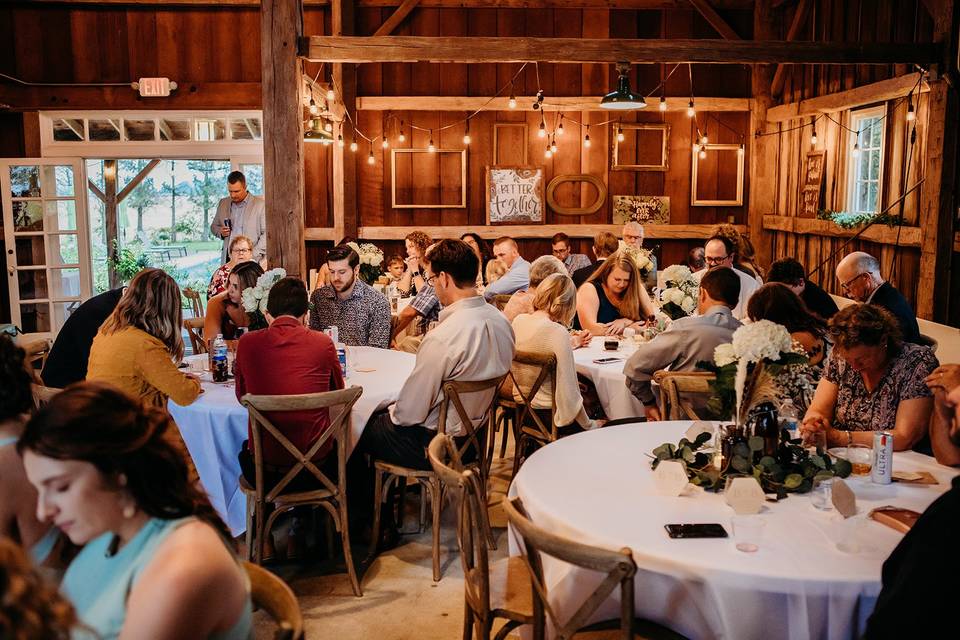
x=453 y=77
x=420 y=181
x=511 y=23
x=372 y=197
x=593 y=81
x=481 y=155
x=540 y=23
x=247 y=28
x=482 y=78
x=676 y=182
x=451 y=175
x=369 y=76
x=142 y=44
x=316 y=170
x=169 y=31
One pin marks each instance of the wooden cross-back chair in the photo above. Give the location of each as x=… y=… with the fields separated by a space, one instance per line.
x=500 y=300
x=273 y=595
x=387 y=474
x=530 y=429
x=332 y=495
x=194 y=327
x=676 y=387
x=196 y=302
x=618 y=566
x=491 y=591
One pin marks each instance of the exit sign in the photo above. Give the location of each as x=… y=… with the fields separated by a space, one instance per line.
x=155 y=87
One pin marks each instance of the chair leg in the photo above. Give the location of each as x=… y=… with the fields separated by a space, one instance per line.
x=517 y=455
x=436 y=505
x=347 y=553
x=423 y=508
x=467 y=621
x=377 y=499
x=487 y=529
x=259 y=524
x=248 y=534
x=507 y=428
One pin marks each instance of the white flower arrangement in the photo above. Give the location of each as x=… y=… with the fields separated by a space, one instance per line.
x=761 y=340
x=369 y=253
x=679 y=296
x=255 y=298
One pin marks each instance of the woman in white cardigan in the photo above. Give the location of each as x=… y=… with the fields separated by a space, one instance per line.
x=545 y=331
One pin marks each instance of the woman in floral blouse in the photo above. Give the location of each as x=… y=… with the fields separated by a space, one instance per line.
x=873 y=381
x=241 y=250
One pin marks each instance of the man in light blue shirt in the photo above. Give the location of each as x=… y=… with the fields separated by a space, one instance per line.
x=517 y=276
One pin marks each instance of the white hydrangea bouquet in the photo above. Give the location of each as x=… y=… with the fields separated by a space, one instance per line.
x=254 y=298
x=371 y=257
x=748 y=369
x=641 y=257
x=681 y=292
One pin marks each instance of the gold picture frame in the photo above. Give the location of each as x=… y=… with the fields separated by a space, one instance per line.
x=662 y=128
x=724 y=149
x=463 y=179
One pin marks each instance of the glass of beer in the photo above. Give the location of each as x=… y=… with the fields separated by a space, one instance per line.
x=860 y=456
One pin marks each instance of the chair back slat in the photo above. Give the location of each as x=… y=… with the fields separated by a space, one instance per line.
x=618 y=565
x=339 y=426
x=273 y=595
x=546 y=375
x=196 y=303
x=500 y=300
x=194 y=327
x=676 y=387
x=475 y=432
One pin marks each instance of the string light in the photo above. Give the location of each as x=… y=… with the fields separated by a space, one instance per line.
x=385 y=143
x=704 y=140
x=513 y=99
x=370 y=158
x=314 y=109
x=911 y=116
x=560 y=126
x=690 y=109
x=586 y=138
x=663 y=103
x=354 y=146
x=431 y=147
x=620 y=136
x=542 y=132
x=740 y=149
x=466 y=133
x=328 y=127
x=401 y=137
x=548 y=153
x=331 y=96
x=553 y=145
x=856 y=146
x=340 y=140
x=703 y=153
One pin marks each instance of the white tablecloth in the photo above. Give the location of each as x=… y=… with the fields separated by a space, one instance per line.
x=609 y=380
x=215 y=426
x=597 y=488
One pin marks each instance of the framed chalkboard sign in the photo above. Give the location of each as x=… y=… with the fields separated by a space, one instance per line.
x=515 y=195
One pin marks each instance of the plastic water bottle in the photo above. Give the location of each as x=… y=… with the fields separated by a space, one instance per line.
x=342 y=357
x=790 y=418
x=220 y=366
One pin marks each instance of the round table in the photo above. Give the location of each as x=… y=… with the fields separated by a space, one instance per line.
x=616 y=399
x=597 y=488
x=215 y=426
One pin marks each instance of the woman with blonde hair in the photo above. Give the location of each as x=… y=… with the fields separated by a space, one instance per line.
x=545 y=331
x=613 y=298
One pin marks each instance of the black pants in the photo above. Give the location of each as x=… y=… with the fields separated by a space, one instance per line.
x=403 y=446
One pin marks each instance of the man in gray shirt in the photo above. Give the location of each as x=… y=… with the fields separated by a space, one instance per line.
x=241 y=214
x=688 y=340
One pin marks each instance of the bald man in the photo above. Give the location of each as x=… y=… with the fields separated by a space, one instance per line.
x=517 y=277
x=859 y=277
x=632 y=236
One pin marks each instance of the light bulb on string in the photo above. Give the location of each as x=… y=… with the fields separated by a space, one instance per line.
x=704 y=140
x=856 y=148
x=400 y=136
x=331 y=96
x=703 y=153
x=663 y=103
x=690 y=109
x=911 y=115
x=370 y=158
x=328 y=127
x=542 y=132
x=560 y=126
x=314 y=109
x=512 y=103
x=354 y=146
x=553 y=145
x=586 y=138
x=620 y=136
x=431 y=147
x=548 y=153
x=813 y=136
x=340 y=140
x=385 y=143
x=740 y=149
x=466 y=133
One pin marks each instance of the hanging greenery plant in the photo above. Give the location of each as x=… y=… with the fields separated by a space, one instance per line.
x=846 y=220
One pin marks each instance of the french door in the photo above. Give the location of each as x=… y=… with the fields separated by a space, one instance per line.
x=47 y=241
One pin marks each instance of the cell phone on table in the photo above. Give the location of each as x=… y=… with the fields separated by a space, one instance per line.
x=606 y=360
x=708 y=530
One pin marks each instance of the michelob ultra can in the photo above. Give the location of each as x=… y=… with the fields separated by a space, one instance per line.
x=882 y=470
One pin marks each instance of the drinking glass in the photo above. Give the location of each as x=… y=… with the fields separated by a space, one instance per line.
x=748 y=532
x=822 y=495
x=815 y=441
x=860 y=456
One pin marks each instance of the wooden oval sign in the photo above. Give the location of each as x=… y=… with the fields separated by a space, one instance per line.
x=577 y=211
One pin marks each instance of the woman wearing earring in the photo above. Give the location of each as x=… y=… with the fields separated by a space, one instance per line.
x=156 y=560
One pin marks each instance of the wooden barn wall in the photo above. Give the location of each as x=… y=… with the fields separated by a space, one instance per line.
x=861 y=21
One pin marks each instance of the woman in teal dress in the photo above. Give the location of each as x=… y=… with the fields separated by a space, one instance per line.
x=156 y=560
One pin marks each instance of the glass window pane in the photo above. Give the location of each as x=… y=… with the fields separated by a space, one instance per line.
x=206 y=129
x=63 y=310
x=138 y=129
x=67 y=130
x=875 y=164
x=246 y=129
x=30 y=251
x=95 y=172
x=56 y=181
x=873 y=194
x=174 y=129
x=876 y=132
x=104 y=130
x=64 y=283
x=27 y=216
x=254 y=175
x=32 y=284
x=64 y=249
x=35 y=318
x=25 y=181
x=862 y=197
x=61 y=215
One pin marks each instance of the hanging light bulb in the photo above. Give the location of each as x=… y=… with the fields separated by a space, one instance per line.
x=431 y=147
x=690 y=110
x=704 y=140
x=586 y=138
x=620 y=136
x=542 y=132
x=560 y=126
x=354 y=146
x=370 y=158
x=911 y=115
x=856 y=149
x=553 y=145
x=328 y=127
x=466 y=133
x=512 y=103
x=340 y=140
x=314 y=109
x=703 y=153
x=331 y=96
x=400 y=136
x=385 y=143
x=740 y=149
x=548 y=153
x=663 y=103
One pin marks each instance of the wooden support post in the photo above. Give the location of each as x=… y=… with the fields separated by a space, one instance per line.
x=110 y=218
x=345 y=218
x=281 y=25
x=763 y=164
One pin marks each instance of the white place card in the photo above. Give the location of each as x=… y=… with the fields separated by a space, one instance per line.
x=744 y=495
x=670 y=478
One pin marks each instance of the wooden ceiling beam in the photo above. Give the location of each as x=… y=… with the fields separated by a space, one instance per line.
x=525 y=103
x=205 y=95
x=653 y=232
x=584 y=50
x=799 y=19
x=453 y=4
x=715 y=19
x=396 y=18
x=842 y=100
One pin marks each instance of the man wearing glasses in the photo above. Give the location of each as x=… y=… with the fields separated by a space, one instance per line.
x=860 y=279
x=561 y=251
x=720 y=253
x=632 y=236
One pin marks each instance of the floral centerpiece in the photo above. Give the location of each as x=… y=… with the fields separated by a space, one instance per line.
x=681 y=292
x=747 y=372
x=371 y=257
x=254 y=298
x=641 y=257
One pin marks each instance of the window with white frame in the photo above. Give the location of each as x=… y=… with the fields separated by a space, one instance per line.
x=865 y=168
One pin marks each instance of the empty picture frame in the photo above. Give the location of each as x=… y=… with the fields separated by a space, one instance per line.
x=645 y=147
x=713 y=180
x=424 y=179
x=510 y=143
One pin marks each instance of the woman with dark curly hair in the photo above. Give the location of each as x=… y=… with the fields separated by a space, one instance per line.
x=157 y=561
x=30 y=608
x=481 y=248
x=777 y=303
x=18 y=499
x=873 y=381
x=412 y=280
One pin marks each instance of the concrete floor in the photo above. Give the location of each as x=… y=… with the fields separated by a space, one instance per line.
x=400 y=599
